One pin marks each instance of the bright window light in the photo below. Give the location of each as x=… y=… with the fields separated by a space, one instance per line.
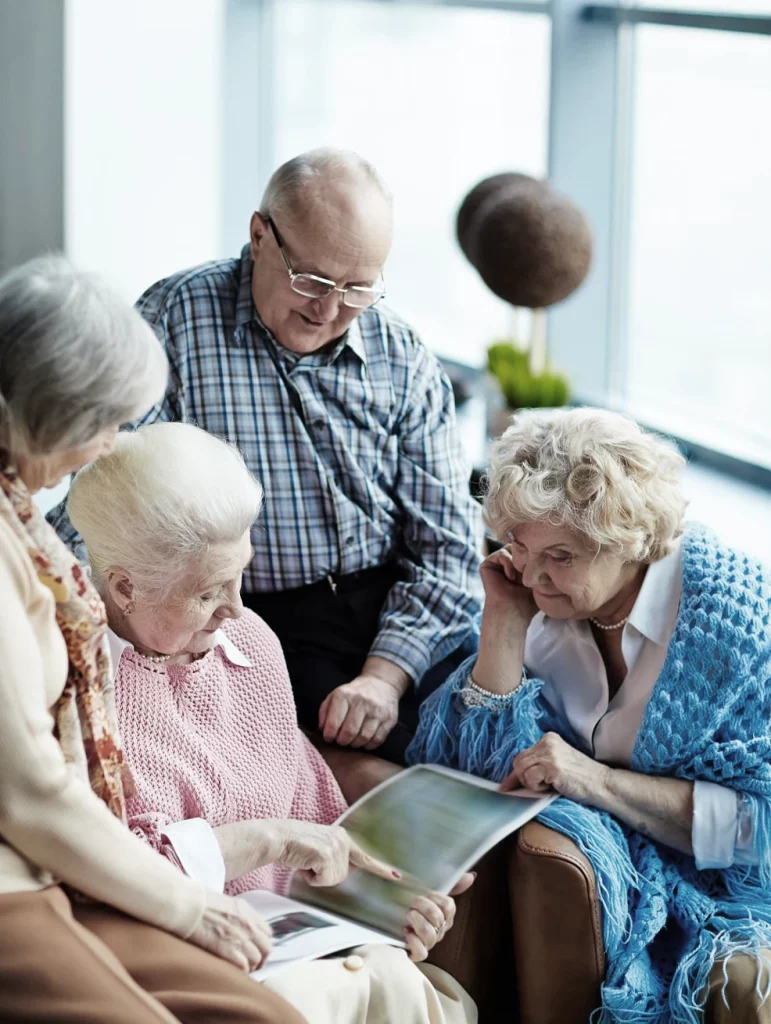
x=437 y=98
x=699 y=346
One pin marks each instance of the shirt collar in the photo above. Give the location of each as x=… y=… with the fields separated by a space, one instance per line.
x=355 y=339
x=118 y=645
x=246 y=313
x=654 y=614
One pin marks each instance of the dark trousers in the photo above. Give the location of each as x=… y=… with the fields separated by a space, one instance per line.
x=327 y=633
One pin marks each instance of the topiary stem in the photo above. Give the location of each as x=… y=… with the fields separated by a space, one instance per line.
x=538 y=342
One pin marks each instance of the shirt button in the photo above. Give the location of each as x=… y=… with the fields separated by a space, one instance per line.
x=318 y=424
x=350 y=540
x=353 y=963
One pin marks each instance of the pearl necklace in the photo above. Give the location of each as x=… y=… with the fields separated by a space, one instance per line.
x=160 y=658
x=616 y=625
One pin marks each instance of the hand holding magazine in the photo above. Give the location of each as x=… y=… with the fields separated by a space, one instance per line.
x=430 y=823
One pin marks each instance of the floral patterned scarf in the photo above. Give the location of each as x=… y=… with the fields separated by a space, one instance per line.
x=84 y=715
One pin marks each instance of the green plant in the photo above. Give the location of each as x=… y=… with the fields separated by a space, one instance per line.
x=521 y=388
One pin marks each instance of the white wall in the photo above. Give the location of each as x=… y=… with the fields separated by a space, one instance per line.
x=143 y=112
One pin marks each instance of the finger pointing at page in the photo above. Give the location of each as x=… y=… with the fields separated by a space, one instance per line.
x=360 y=859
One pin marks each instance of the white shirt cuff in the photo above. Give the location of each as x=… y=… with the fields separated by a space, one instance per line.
x=745 y=852
x=715 y=825
x=198 y=851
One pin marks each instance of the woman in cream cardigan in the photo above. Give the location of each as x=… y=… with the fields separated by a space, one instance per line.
x=75 y=363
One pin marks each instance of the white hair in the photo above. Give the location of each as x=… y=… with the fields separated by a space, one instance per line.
x=288 y=185
x=159 y=502
x=594 y=472
x=74 y=359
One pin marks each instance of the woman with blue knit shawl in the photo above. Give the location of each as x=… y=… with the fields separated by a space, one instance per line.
x=624 y=662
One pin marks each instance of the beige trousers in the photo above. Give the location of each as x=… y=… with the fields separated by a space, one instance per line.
x=375 y=985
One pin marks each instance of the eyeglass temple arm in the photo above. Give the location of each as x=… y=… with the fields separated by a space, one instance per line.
x=280 y=244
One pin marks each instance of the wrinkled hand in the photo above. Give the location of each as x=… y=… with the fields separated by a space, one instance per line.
x=430 y=918
x=360 y=713
x=231 y=929
x=552 y=764
x=324 y=854
x=504 y=588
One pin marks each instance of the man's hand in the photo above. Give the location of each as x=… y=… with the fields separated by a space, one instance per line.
x=363 y=712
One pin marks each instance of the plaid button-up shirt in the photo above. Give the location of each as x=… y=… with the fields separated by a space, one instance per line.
x=356 y=448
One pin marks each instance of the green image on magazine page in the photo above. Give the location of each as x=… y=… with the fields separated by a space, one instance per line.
x=432 y=824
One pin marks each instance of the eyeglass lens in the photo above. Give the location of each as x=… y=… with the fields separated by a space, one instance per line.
x=354 y=296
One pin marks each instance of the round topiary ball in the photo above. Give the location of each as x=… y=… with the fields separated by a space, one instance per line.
x=531 y=245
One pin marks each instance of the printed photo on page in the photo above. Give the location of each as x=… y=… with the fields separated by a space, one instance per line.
x=306 y=933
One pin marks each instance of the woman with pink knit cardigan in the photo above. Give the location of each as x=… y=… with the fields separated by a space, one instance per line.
x=227 y=786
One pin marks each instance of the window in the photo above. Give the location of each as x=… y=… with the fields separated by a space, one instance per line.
x=699 y=316
x=143 y=123
x=707 y=6
x=437 y=98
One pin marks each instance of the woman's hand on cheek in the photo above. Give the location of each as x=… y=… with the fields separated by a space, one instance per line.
x=504 y=590
x=553 y=765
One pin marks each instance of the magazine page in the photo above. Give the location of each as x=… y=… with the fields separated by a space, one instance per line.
x=305 y=933
x=432 y=824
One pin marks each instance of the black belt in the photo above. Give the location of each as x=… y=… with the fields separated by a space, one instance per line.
x=385 y=575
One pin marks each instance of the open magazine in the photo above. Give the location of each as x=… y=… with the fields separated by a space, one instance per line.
x=430 y=823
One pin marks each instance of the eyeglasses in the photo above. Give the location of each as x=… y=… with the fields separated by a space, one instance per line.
x=313 y=287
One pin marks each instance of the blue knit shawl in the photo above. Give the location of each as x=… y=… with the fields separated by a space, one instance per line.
x=665 y=923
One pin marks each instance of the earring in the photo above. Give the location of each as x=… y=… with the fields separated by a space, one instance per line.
x=128 y=609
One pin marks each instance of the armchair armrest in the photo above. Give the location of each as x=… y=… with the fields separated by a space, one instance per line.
x=477 y=950
x=556 y=917
x=356 y=771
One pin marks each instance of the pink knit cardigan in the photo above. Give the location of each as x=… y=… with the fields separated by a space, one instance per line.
x=220 y=741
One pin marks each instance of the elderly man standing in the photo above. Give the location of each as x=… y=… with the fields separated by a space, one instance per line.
x=366 y=557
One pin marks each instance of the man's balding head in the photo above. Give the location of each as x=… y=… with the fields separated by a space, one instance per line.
x=334 y=214
x=324 y=173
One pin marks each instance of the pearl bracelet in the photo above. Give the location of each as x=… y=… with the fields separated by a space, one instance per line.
x=474 y=696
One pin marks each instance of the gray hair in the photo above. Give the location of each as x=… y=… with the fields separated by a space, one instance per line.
x=74 y=359
x=289 y=184
x=595 y=472
x=165 y=495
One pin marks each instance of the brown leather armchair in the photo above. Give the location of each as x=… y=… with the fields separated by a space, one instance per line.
x=527 y=940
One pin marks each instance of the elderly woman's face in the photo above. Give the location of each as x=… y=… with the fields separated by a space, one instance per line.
x=39 y=471
x=195 y=610
x=568 y=578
